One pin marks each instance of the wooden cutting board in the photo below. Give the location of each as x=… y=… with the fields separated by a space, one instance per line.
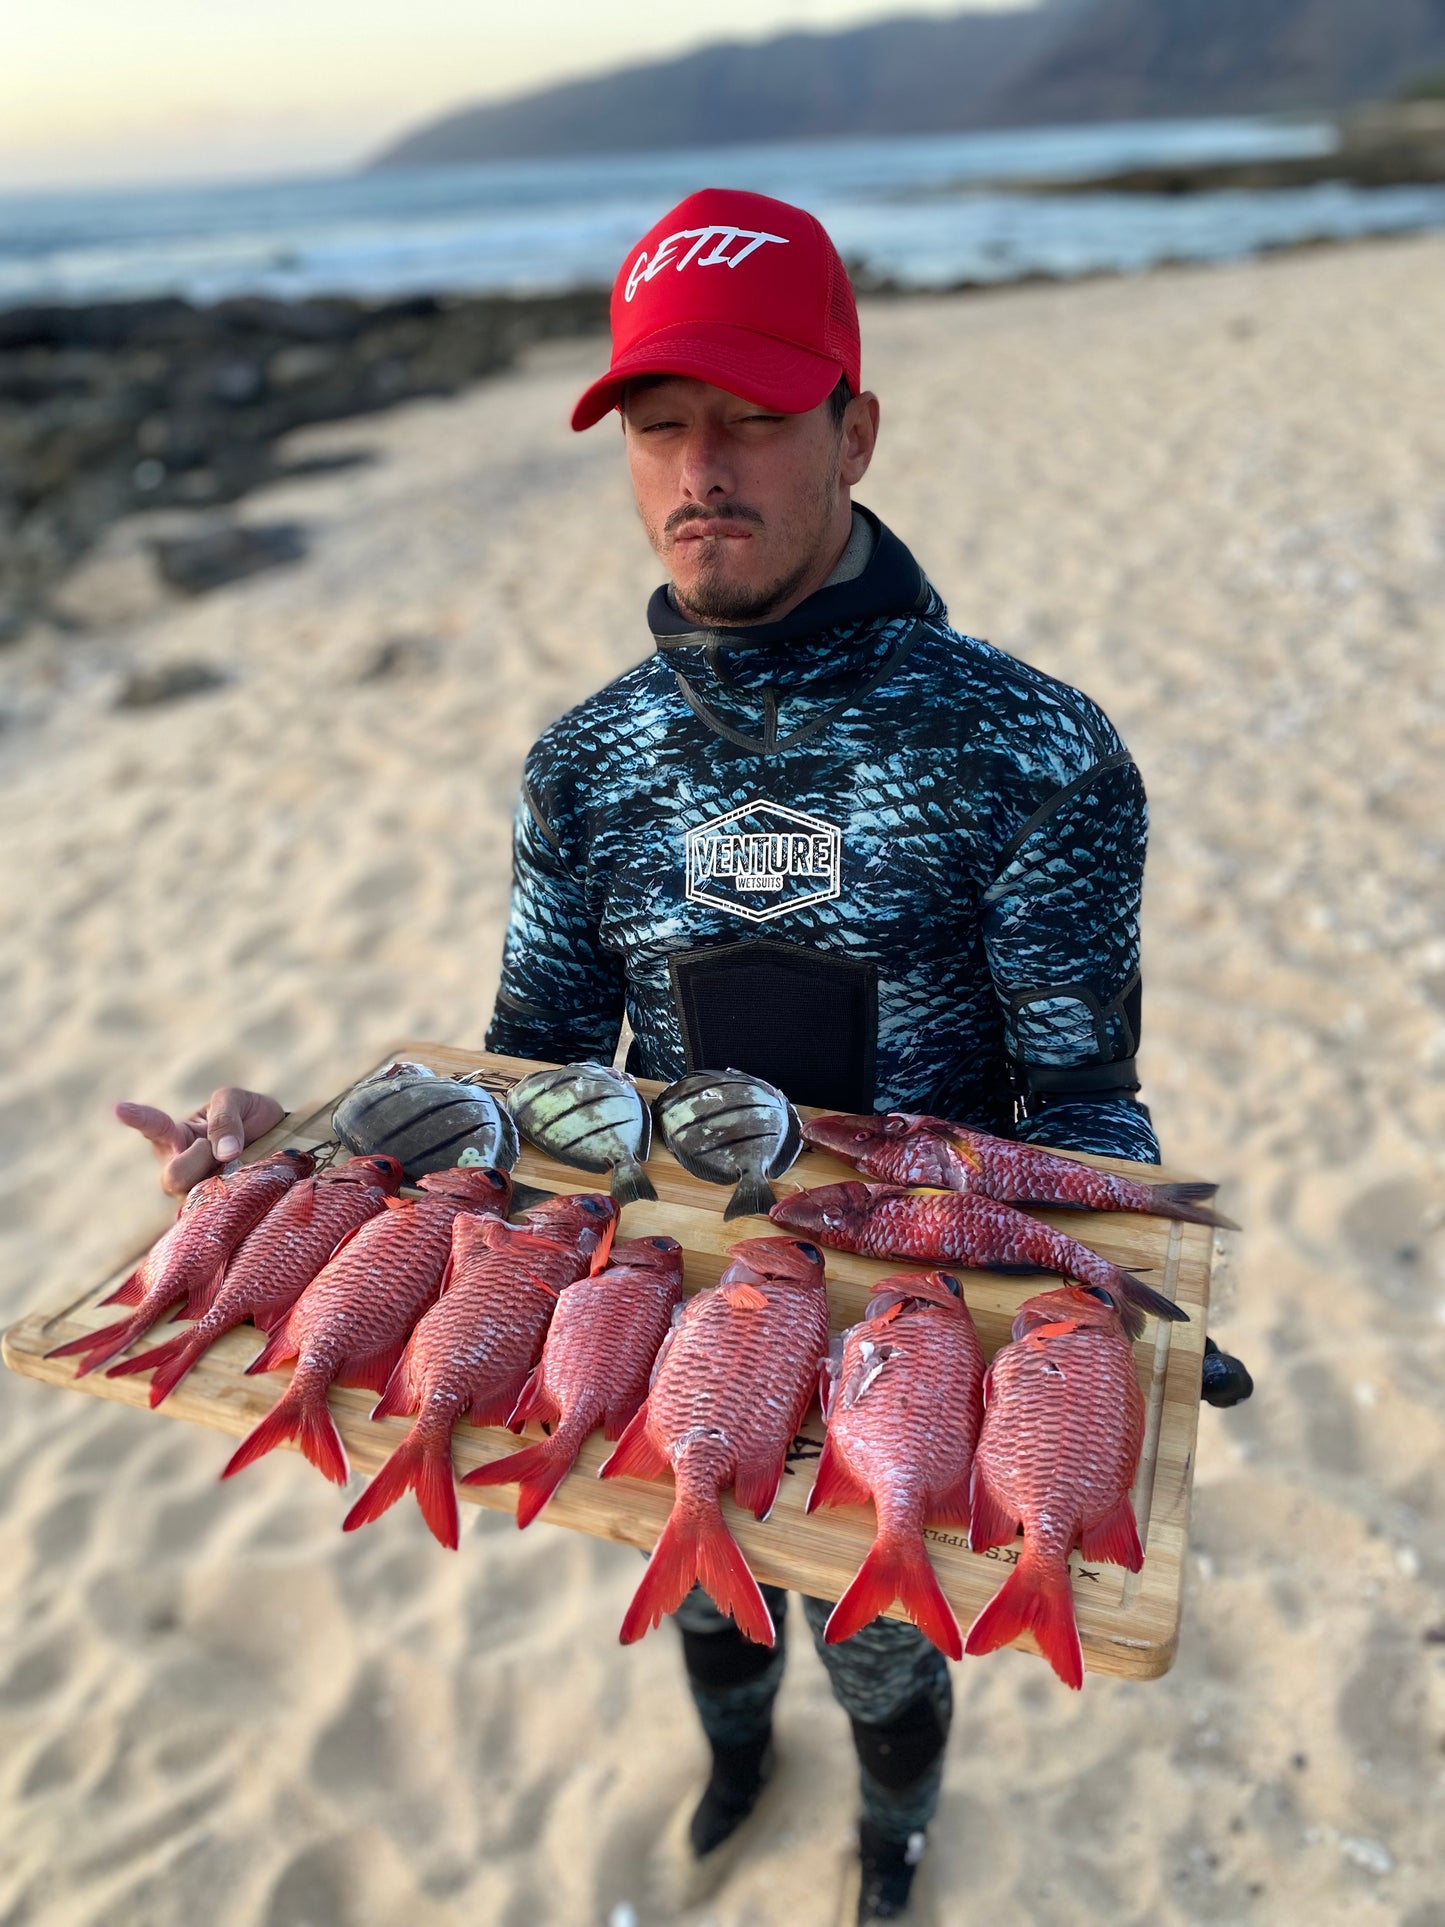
x=1128 y=1622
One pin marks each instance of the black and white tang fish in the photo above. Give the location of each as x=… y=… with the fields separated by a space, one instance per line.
x=591 y=1117
x=430 y=1123
x=728 y=1127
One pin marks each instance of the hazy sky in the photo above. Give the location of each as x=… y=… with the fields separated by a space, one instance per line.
x=125 y=90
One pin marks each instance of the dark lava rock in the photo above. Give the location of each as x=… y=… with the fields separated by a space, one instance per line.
x=168 y=682
x=122 y=405
x=196 y=564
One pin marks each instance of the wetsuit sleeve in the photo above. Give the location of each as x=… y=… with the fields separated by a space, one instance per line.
x=561 y=993
x=1061 y=929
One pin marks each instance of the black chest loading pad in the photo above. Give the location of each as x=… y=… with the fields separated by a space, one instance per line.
x=805 y=1019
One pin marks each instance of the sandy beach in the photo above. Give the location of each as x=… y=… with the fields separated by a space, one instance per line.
x=1213 y=499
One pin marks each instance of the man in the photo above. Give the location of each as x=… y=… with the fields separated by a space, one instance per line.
x=818 y=834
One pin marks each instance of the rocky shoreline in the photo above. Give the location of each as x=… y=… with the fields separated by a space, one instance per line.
x=1400 y=146
x=111 y=407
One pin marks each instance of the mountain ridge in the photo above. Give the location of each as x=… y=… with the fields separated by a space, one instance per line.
x=1062 y=61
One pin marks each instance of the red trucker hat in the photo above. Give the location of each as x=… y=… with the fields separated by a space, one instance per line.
x=738 y=290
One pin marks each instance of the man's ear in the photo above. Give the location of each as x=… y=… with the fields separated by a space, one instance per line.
x=859 y=438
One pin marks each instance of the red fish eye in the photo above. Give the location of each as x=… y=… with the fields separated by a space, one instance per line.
x=860 y=1137
x=811 y=1253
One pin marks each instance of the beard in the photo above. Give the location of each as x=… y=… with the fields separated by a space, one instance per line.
x=715 y=600
x=720 y=603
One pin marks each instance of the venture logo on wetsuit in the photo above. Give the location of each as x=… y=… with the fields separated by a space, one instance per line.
x=763 y=860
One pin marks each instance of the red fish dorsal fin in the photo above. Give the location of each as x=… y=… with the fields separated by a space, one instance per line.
x=744 y=1297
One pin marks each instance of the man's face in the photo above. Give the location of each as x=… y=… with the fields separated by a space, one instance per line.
x=747 y=510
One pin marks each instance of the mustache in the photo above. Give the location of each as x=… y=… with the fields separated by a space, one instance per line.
x=695 y=512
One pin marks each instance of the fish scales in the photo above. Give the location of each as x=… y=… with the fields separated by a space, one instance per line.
x=350 y=1324
x=732 y=1384
x=957 y=1227
x=903 y=1420
x=276 y=1262
x=594 y=1369
x=471 y=1353
x=1063 y=1428
x=903 y=1147
x=188 y=1261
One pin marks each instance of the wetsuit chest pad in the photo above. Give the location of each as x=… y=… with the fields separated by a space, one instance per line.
x=805 y=1019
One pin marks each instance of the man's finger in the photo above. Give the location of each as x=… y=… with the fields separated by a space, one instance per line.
x=187 y=1169
x=225 y=1126
x=159 y=1127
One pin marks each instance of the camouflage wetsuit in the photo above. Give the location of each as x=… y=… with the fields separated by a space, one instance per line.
x=887 y=866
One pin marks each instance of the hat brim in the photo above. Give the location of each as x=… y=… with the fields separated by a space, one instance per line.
x=778 y=376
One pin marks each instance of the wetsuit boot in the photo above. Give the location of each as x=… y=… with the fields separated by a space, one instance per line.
x=739 y=1774
x=733 y=1683
x=886 y=1867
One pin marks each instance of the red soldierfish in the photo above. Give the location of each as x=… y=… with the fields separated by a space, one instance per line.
x=955 y=1227
x=903 y=1417
x=188 y=1261
x=734 y=1378
x=276 y=1263
x=1063 y=1425
x=905 y=1148
x=349 y=1325
x=471 y=1354
x=605 y=1335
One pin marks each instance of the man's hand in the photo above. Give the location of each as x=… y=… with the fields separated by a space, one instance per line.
x=199 y=1145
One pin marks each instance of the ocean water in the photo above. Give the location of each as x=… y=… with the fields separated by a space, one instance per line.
x=922 y=211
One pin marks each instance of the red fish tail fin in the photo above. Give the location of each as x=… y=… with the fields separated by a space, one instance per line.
x=1036 y=1598
x=897 y=1568
x=1134 y=1298
x=301 y=1414
x=696 y=1545
x=422 y=1465
x=98 y=1347
x=170 y=1363
x=537 y=1471
x=1189 y=1202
